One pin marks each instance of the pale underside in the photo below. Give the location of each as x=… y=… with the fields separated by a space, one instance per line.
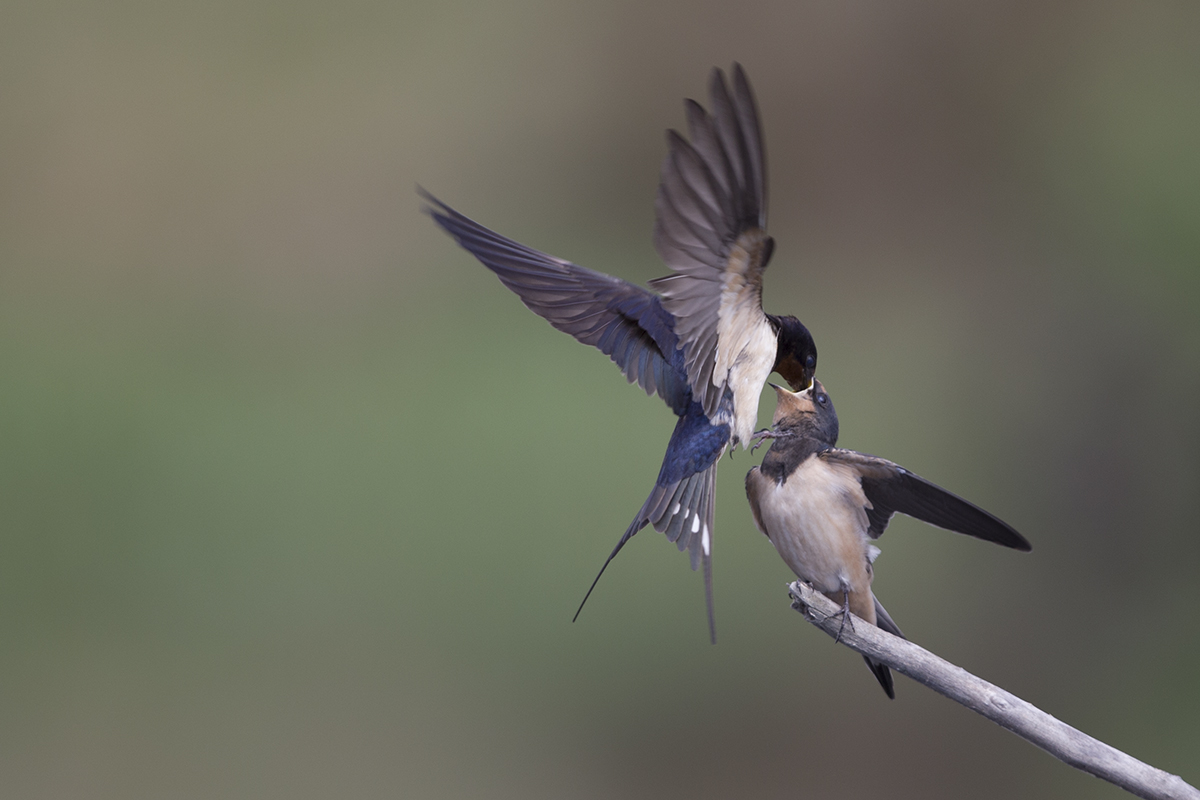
x=817 y=521
x=746 y=342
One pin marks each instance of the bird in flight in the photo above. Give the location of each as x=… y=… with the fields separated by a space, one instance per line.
x=703 y=342
x=821 y=506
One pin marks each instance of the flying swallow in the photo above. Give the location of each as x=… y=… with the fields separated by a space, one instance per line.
x=704 y=345
x=821 y=506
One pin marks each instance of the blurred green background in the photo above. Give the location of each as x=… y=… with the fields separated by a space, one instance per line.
x=299 y=500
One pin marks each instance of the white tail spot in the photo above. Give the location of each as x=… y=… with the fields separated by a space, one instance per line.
x=704 y=542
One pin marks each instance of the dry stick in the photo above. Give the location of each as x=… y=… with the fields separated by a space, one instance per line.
x=1006 y=710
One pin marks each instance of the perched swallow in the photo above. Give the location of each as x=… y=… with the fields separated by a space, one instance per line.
x=821 y=506
x=705 y=345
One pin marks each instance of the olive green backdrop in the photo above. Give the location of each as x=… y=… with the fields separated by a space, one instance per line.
x=298 y=500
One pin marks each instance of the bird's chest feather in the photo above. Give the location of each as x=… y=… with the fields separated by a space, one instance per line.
x=817 y=521
x=746 y=342
x=745 y=355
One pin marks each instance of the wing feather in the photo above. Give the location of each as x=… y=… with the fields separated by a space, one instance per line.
x=624 y=321
x=709 y=229
x=891 y=488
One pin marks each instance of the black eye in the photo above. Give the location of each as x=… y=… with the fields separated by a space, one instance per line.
x=810 y=362
x=823 y=399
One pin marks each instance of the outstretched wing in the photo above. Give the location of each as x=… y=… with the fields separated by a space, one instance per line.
x=711 y=215
x=626 y=322
x=892 y=488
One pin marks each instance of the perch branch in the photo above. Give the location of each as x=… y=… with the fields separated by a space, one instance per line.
x=1006 y=710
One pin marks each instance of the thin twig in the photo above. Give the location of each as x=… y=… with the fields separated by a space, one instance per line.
x=1007 y=710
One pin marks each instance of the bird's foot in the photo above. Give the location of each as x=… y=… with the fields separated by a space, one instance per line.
x=761 y=436
x=845 y=615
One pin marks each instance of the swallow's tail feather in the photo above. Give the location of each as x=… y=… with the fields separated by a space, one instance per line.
x=883 y=675
x=884 y=620
x=686 y=517
x=881 y=672
x=684 y=511
x=638 y=523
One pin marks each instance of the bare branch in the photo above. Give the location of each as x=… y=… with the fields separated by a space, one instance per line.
x=1007 y=710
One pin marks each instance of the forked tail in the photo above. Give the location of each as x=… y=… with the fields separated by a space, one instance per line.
x=683 y=510
x=881 y=672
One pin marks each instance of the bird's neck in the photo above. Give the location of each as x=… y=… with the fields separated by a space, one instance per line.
x=791 y=449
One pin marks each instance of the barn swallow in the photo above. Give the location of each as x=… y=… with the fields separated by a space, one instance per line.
x=821 y=506
x=704 y=345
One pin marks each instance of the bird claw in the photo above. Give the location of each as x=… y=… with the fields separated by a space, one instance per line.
x=846 y=620
x=761 y=436
x=845 y=615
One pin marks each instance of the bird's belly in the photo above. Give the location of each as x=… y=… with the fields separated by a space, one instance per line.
x=747 y=376
x=817 y=522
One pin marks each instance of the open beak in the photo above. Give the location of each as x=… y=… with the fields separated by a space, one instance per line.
x=781 y=391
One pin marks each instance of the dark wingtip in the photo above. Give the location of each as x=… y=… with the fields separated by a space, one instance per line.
x=436 y=209
x=428 y=197
x=1012 y=539
x=740 y=81
x=717 y=83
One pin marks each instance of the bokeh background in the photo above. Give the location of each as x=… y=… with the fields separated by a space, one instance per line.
x=298 y=500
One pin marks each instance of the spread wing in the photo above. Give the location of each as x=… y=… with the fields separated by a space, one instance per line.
x=892 y=488
x=625 y=321
x=711 y=215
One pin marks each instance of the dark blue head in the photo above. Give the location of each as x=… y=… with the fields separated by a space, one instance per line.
x=795 y=353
